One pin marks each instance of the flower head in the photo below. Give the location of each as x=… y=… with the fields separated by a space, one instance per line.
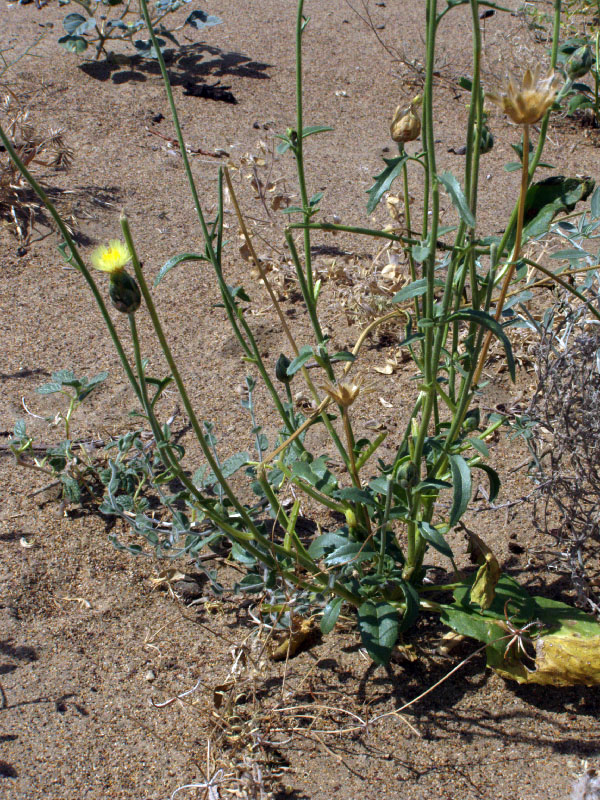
x=111 y=258
x=406 y=125
x=527 y=104
x=344 y=394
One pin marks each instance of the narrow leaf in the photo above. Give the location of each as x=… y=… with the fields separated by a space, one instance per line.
x=174 y=261
x=482 y=318
x=458 y=199
x=461 y=481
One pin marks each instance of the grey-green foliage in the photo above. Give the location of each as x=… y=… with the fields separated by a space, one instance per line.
x=103 y=22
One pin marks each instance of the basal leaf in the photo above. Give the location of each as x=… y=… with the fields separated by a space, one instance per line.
x=378 y=625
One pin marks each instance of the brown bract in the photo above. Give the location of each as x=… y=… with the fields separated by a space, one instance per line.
x=527 y=104
x=344 y=394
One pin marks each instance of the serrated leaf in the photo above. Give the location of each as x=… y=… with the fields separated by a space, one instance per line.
x=384 y=180
x=378 y=625
x=458 y=198
x=174 y=261
x=461 y=487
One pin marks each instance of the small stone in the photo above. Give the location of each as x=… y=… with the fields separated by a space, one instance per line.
x=149 y=675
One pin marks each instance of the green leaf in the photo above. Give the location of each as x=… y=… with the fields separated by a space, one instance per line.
x=331 y=613
x=512 y=166
x=378 y=625
x=461 y=482
x=312 y=129
x=71 y=489
x=547 y=198
x=343 y=355
x=414 y=289
x=326 y=543
x=292 y=210
x=595 y=205
x=305 y=354
x=73 y=21
x=354 y=495
x=49 y=388
x=384 y=180
x=174 y=261
x=480 y=446
x=350 y=553
x=570 y=254
x=74 y=44
x=20 y=429
x=493 y=478
x=458 y=199
x=315 y=198
x=487 y=321
x=435 y=539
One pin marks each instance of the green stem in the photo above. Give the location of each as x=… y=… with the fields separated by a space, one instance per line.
x=299 y=153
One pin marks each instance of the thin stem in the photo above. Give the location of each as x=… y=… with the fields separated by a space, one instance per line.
x=515 y=256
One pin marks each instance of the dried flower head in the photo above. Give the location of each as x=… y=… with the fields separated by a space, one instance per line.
x=527 y=104
x=344 y=394
x=406 y=125
x=111 y=258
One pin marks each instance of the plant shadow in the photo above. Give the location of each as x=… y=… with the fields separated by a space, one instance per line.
x=190 y=67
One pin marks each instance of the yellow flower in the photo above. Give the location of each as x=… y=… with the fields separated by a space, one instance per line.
x=344 y=394
x=111 y=258
x=527 y=104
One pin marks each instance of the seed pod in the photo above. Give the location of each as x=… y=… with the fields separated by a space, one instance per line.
x=405 y=127
x=124 y=292
x=580 y=62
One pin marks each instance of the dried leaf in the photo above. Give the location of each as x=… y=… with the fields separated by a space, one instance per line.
x=302 y=631
x=488 y=574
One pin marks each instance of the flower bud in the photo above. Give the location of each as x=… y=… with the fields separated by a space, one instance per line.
x=350 y=518
x=486 y=140
x=580 y=62
x=406 y=126
x=281 y=367
x=124 y=292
